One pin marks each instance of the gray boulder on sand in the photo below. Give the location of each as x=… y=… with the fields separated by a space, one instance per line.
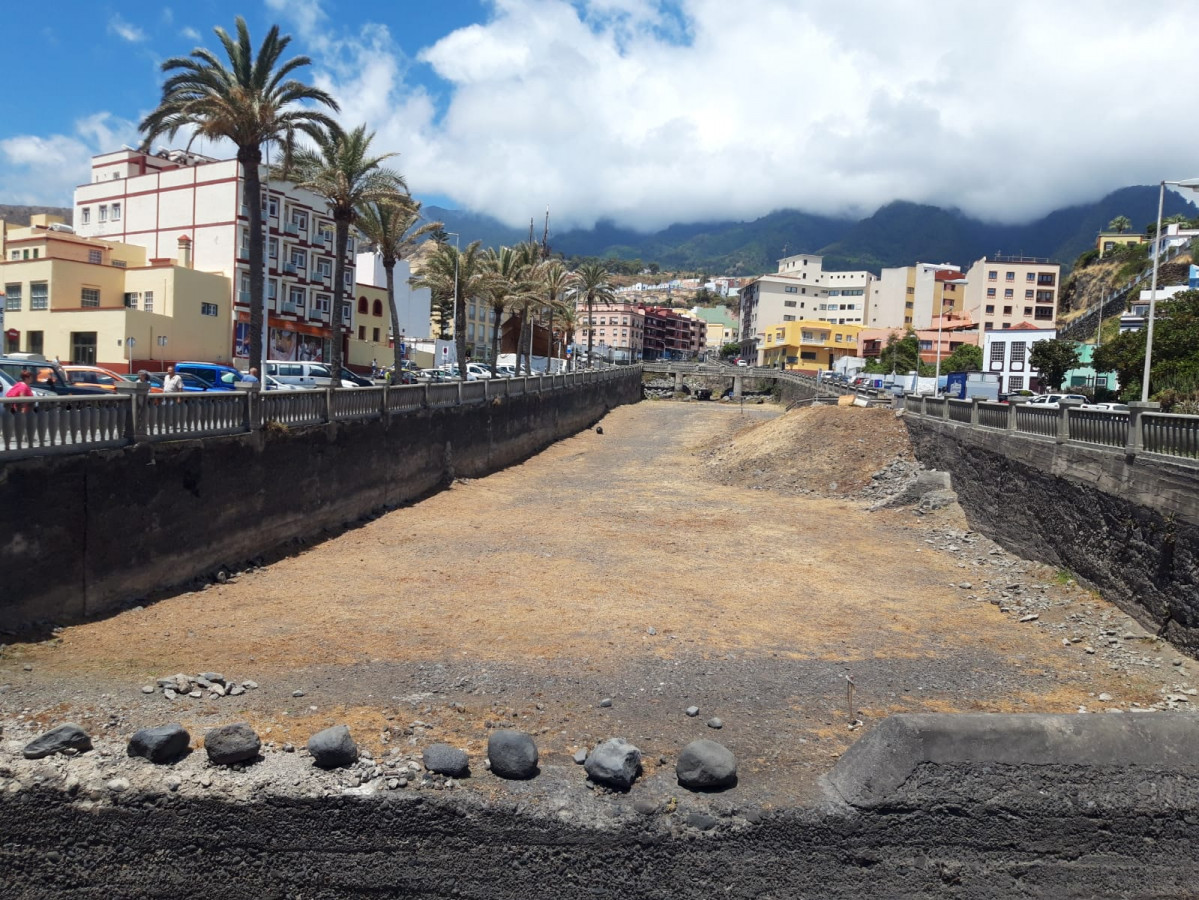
x=614 y=763
x=706 y=766
x=446 y=760
x=512 y=754
x=63 y=739
x=231 y=744
x=159 y=745
x=333 y=748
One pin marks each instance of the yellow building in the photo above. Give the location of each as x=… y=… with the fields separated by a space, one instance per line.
x=1110 y=240
x=808 y=344
x=90 y=301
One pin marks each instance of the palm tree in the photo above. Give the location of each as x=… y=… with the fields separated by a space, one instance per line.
x=1120 y=224
x=555 y=281
x=570 y=319
x=392 y=229
x=529 y=253
x=450 y=273
x=593 y=285
x=340 y=169
x=252 y=103
x=508 y=285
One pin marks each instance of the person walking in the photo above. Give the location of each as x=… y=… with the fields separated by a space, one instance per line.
x=21 y=389
x=143 y=377
x=251 y=376
x=172 y=384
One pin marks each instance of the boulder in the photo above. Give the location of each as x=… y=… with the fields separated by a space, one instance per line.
x=706 y=766
x=446 y=760
x=163 y=744
x=68 y=738
x=229 y=744
x=614 y=763
x=333 y=748
x=512 y=754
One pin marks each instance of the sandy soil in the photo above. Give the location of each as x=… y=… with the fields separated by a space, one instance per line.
x=634 y=566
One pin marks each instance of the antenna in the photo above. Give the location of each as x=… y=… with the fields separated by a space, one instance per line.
x=545 y=237
x=530 y=229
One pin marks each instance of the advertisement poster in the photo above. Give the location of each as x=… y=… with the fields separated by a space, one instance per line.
x=290 y=345
x=241 y=339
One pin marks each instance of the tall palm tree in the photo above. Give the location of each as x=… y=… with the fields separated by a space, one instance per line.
x=555 y=282
x=526 y=300
x=448 y=272
x=593 y=285
x=341 y=169
x=393 y=230
x=570 y=319
x=253 y=103
x=509 y=285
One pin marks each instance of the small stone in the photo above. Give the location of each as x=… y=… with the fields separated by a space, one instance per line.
x=27 y=667
x=606 y=702
x=692 y=711
x=148 y=689
x=965 y=585
x=159 y=745
x=645 y=806
x=705 y=765
x=1105 y=698
x=231 y=744
x=701 y=821
x=715 y=723
x=1031 y=617
x=237 y=690
x=217 y=688
x=215 y=677
x=614 y=763
x=169 y=693
x=117 y=785
x=333 y=748
x=512 y=754
x=68 y=738
x=446 y=760
x=289 y=748
x=173 y=782
x=580 y=756
x=196 y=695
x=651 y=630
x=297 y=693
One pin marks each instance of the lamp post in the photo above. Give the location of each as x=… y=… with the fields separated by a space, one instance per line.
x=1191 y=184
x=130 y=343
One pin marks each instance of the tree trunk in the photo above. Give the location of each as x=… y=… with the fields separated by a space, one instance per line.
x=590 y=328
x=341 y=238
x=389 y=266
x=459 y=319
x=497 y=311
x=549 y=364
x=250 y=159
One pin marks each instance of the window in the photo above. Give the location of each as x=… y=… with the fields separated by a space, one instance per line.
x=83 y=348
x=911 y=290
x=788 y=289
x=116 y=212
x=838 y=339
x=990 y=309
x=209 y=309
x=1008 y=293
x=1009 y=276
x=1028 y=295
x=1046 y=278
x=362 y=332
x=85 y=215
x=95 y=257
x=789 y=303
x=375 y=335
x=273 y=248
x=362 y=306
x=990 y=292
x=272 y=289
x=320 y=304
x=1044 y=296
x=12 y=298
x=148 y=301
x=1028 y=310
x=89 y=298
x=300 y=220
x=1030 y=276
x=1044 y=312
x=299 y=259
x=788 y=318
x=103 y=212
x=1017 y=355
x=16 y=254
x=295 y=295
x=244 y=253
x=1007 y=325
x=132 y=298
x=34 y=342
x=1015 y=383
x=324 y=268
x=997 y=352
x=1007 y=310
x=992 y=275
x=39 y=295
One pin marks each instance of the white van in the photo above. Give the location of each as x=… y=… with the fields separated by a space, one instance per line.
x=301 y=374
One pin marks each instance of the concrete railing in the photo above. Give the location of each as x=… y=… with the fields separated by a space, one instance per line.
x=1142 y=430
x=133 y=415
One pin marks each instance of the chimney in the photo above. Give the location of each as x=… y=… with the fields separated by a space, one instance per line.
x=185 y=251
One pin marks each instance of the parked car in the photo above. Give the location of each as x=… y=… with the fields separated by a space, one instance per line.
x=505 y=371
x=1051 y=401
x=217 y=376
x=1106 y=407
x=355 y=378
x=478 y=371
x=97 y=375
x=305 y=374
x=740 y=362
x=191 y=384
x=435 y=375
x=48 y=377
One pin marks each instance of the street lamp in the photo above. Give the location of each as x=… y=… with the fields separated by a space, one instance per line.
x=1191 y=184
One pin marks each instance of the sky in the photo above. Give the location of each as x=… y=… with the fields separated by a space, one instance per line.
x=651 y=112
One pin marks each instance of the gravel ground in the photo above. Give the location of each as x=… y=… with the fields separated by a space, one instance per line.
x=599 y=590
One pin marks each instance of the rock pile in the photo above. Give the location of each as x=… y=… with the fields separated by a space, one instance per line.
x=212 y=684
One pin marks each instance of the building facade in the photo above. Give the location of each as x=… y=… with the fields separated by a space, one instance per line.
x=1007 y=353
x=617 y=330
x=1005 y=291
x=152 y=199
x=105 y=303
x=912 y=296
x=672 y=334
x=811 y=345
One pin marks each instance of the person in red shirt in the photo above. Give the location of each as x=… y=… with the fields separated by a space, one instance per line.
x=21 y=389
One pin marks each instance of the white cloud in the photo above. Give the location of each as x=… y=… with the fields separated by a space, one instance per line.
x=190 y=33
x=125 y=31
x=46 y=170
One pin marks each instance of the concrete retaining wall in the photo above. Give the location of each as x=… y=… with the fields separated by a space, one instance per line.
x=86 y=533
x=1127 y=525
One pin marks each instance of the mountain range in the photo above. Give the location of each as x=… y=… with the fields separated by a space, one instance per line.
x=898 y=234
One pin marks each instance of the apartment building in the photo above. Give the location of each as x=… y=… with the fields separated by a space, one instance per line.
x=371 y=335
x=152 y=199
x=106 y=303
x=1007 y=353
x=913 y=296
x=1005 y=291
x=720 y=326
x=801 y=289
x=812 y=344
x=672 y=334
x=617 y=330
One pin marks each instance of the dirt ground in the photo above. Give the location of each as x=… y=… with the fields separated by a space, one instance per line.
x=653 y=566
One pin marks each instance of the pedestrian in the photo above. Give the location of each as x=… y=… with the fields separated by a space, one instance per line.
x=143 y=377
x=21 y=389
x=172 y=384
x=374 y=369
x=251 y=376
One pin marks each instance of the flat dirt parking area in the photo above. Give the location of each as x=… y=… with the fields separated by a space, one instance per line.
x=693 y=554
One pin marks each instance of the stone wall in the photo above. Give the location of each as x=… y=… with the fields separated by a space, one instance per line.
x=1127 y=525
x=86 y=533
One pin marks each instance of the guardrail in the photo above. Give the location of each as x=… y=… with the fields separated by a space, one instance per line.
x=132 y=415
x=1141 y=430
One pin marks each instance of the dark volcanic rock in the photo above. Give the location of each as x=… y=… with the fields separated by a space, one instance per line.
x=333 y=748
x=614 y=763
x=446 y=760
x=231 y=744
x=512 y=753
x=63 y=739
x=706 y=766
x=159 y=745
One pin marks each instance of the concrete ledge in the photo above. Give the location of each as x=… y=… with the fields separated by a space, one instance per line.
x=873 y=770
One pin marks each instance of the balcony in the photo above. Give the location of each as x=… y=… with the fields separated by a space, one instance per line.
x=290 y=268
x=291 y=228
x=288 y=308
x=243 y=297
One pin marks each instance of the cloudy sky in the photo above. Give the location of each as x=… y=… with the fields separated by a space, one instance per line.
x=648 y=112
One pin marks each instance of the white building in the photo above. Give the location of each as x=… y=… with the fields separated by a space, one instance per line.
x=1006 y=353
x=1005 y=291
x=413 y=305
x=913 y=296
x=152 y=199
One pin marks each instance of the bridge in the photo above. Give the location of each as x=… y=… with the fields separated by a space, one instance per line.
x=794 y=384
